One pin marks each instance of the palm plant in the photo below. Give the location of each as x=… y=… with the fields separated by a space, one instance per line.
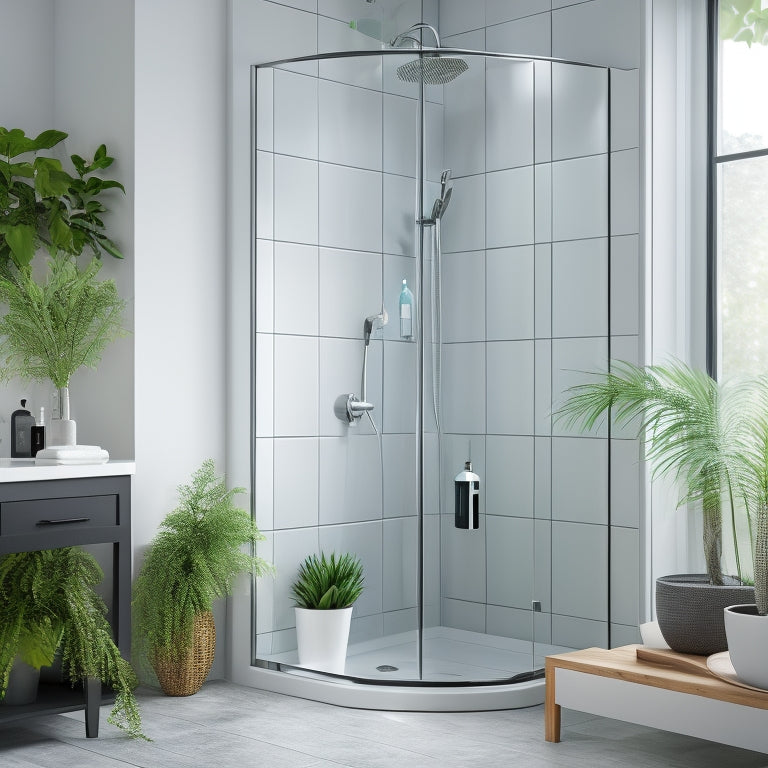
x=191 y=562
x=696 y=430
x=328 y=583
x=47 y=602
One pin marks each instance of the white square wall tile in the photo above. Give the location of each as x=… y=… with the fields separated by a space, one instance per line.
x=400 y=567
x=296 y=271
x=399 y=225
x=624 y=635
x=265 y=109
x=625 y=483
x=576 y=361
x=365 y=541
x=464 y=119
x=295 y=118
x=434 y=138
x=265 y=285
x=625 y=109
x=350 y=125
x=458 y=16
x=463 y=562
x=510 y=387
x=587 y=32
x=264 y=366
x=542 y=80
x=509 y=476
x=543 y=291
x=341 y=362
x=509 y=207
x=542 y=397
x=579 y=111
x=350 y=208
x=400 y=135
x=265 y=588
x=625 y=192
x=543 y=203
x=296 y=482
x=510 y=293
x=400 y=469
x=542 y=567
x=543 y=477
x=499 y=11
x=580 y=288
x=580 y=198
x=625 y=285
x=625 y=575
x=399 y=386
x=337 y=35
x=509 y=622
x=463 y=294
x=265 y=195
x=464 y=227
x=527 y=37
x=291 y=549
x=510 y=561
x=464 y=388
x=295 y=200
x=296 y=386
x=579 y=570
x=350 y=291
x=350 y=479
x=508 y=114
x=580 y=480
x=263 y=489
x=571 y=632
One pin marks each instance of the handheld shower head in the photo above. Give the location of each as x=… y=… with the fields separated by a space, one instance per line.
x=373 y=323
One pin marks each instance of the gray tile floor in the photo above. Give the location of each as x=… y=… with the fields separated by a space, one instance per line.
x=226 y=725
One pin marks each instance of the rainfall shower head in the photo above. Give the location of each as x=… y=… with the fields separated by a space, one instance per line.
x=373 y=323
x=432 y=70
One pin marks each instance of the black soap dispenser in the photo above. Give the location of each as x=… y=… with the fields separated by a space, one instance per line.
x=467 y=492
x=22 y=422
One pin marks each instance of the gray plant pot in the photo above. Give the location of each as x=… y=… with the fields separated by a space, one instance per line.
x=690 y=611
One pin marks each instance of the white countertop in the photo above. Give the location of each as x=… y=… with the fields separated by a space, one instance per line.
x=24 y=470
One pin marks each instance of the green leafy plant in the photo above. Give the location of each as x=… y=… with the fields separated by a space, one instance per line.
x=327 y=583
x=192 y=561
x=696 y=431
x=53 y=328
x=47 y=602
x=42 y=205
x=744 y=21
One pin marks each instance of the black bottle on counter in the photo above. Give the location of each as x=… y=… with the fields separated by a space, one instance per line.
x=38 y=434
x=22 y=422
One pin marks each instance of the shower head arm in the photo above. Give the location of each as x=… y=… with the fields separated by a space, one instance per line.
x=406 y=36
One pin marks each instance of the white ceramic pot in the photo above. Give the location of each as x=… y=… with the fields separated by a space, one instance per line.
x=322 y=637
x=747 y=640
x=22 y=684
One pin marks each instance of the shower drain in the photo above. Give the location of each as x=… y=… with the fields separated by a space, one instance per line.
x=386 y=668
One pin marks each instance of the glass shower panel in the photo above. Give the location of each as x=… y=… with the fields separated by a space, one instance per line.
x=335 y=187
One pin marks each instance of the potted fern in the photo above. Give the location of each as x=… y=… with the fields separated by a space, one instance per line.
x=192 y=561
x=48 y=604
x=694 y=430
x=325 y=590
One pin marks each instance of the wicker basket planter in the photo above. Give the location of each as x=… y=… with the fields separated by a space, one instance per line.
x=690 y=611
x=186 y=676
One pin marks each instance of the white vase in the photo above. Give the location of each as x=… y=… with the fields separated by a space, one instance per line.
x=22 y=684
x=61 y=430
x=322 y=638
x=747 y=634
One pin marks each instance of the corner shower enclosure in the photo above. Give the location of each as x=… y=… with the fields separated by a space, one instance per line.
x=482 y=181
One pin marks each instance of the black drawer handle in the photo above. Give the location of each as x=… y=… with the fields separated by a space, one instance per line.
x=64 y=521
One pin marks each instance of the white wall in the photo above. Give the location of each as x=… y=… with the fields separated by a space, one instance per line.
x=180 y=245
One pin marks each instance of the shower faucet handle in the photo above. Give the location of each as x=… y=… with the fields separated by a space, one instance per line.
x=349 y=408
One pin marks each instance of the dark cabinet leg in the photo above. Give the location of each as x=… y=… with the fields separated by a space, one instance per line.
x=92 y=704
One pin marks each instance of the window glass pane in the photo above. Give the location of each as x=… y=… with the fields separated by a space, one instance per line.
x=743 y=271
x=743 y=106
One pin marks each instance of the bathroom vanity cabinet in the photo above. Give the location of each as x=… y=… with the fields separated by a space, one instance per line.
x=49 y=507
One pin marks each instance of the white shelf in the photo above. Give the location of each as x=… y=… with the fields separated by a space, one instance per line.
x=24 y=470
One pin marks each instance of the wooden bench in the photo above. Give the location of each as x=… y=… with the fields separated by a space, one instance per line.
x=616 y=684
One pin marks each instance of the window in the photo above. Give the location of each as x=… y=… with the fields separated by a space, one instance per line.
x=738 y=338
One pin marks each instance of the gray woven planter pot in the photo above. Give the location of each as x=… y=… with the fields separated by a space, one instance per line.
x=690 y=611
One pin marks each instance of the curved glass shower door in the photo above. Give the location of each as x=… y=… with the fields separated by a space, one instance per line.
x=422 y=235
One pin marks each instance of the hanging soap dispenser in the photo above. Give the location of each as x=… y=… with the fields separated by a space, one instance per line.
x=22 y=422
x=406 y=312
x=467 y=492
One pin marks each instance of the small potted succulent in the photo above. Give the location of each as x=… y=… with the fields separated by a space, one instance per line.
x=694 y=429
x=191 y=562
x=325 y=590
